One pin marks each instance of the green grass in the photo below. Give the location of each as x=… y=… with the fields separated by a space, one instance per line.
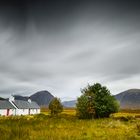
x=67 y=127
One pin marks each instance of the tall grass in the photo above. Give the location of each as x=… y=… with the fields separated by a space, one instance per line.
x=67 y=127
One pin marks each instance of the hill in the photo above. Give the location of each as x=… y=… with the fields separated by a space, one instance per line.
x=19 y=97
x=2 y=98
x=69 y=103
x=42 y=98
x=129 y=99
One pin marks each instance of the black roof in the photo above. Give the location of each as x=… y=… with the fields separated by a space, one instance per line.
x=25 y=104
x=4 y=104
x=34 y=105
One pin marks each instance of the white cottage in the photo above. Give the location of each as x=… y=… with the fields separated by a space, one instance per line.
x=24 y=107
x=6 y=108
x=18 y=107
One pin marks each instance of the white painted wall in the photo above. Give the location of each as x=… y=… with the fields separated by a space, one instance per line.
x=3 y=112
x=38 y=111
x=26 y=111
x=13 y=111
x=34 y=111
x=22 y=111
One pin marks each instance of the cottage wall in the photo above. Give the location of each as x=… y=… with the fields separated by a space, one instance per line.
x=22 y=111
x=12 y=112
x=3 y=112
x=38 y=111
x=34 y=111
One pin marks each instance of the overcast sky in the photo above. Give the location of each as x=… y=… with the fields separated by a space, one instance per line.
x=61 y=46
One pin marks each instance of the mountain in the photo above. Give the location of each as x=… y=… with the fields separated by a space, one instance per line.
x=129 y=99
x=42 y=98
x=2 y=98
x=19 y=97
x=69 y=103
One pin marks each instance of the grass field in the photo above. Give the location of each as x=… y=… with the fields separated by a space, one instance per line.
x=120 y=126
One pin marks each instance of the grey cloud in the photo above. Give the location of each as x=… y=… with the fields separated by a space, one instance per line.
x=62 y=54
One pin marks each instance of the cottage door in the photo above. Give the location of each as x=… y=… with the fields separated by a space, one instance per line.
x=8 y=112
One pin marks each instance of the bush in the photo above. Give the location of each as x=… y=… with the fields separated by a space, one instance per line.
x=85 y=108
x=55 y=106
x=96 y=102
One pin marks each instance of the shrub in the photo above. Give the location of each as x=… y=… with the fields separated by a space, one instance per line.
x=96 y=101
x=85 y=108
x=55 y=106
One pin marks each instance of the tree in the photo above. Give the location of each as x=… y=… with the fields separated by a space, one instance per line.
x=55 y=106
x=85 y=107
x=96 y=102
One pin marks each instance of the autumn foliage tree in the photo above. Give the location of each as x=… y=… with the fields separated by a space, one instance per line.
x=85 y=107
x=96 y=101
x=55 y=106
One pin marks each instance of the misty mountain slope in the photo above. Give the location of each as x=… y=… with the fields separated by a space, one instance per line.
x=129 y=99
x=19 y=97
x=42 y=98
x=69 y=103
x=2 y=98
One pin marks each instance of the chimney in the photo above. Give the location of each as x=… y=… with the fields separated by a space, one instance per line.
x=11 y=98
x=29 y=100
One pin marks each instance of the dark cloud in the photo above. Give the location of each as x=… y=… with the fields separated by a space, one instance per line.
x=61 y=46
